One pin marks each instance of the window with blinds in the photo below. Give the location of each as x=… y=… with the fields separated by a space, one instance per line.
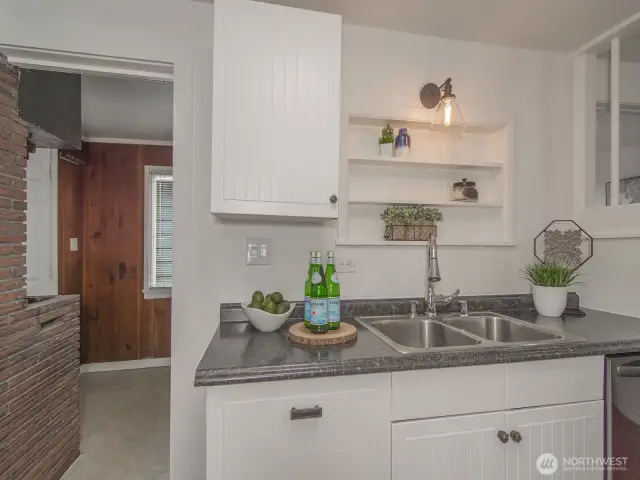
x=161 y=193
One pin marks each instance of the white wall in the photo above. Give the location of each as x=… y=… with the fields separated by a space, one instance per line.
x=163 y=31
x=383 y=73
x=126 y=109
x=42 y=223
x=612 y=274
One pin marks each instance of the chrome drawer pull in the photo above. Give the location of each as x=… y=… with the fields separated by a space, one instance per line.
x=302 y=413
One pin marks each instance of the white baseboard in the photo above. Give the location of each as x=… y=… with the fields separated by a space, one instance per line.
x=128 y=365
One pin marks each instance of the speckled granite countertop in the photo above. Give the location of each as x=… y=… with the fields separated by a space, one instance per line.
x=238 y=353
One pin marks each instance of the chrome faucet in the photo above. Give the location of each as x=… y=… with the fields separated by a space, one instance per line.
x=433 y=276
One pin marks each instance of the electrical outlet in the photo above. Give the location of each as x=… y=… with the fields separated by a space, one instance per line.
x=346 y=264
x=258 y=251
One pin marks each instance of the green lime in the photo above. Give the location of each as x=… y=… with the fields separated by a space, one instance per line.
x=281 y=308
x=270 y=307
x=257 y=296
x=267 y=298
x=286 y=305
x=277 y=297
x=255 y=304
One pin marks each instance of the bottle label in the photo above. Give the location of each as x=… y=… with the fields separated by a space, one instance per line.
x=334 y=277
x=316 y=278
x=333 y=309
x=307 y=308
x=318 y=311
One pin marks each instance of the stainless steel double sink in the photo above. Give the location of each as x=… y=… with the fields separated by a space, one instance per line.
x=454 y=332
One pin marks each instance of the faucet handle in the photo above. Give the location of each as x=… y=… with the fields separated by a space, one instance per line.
x=450 y=298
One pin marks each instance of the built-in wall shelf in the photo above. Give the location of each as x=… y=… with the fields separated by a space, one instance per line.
x=385 y=243
x=369 y=181
x=412 y=124
x=416 y=161
x=436 y=203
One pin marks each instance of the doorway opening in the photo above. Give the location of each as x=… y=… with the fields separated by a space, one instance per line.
x=99 y=225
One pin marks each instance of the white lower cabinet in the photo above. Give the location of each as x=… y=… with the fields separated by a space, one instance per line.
x=470 y=448
x=252 y=432
x=450 y=448
x=411 y=425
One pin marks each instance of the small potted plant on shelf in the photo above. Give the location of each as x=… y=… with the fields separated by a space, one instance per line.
x=550 y=284
x=386 y=141
x=410 y=222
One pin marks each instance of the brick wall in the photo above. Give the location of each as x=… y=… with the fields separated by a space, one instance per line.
x=39 y=342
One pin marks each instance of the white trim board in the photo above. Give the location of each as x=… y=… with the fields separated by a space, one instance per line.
x=128 y=141
x=128 y=365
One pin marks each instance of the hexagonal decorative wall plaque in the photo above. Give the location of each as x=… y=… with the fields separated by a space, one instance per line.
x=563 y=242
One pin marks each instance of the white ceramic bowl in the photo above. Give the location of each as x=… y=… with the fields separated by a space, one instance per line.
x=264 y=321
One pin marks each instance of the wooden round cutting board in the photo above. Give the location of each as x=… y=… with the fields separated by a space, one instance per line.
x=300 y=334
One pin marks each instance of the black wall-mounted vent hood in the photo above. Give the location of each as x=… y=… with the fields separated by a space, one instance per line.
x=50 y=102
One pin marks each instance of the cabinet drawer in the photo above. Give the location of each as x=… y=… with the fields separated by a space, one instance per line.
x=339 y=429
x=550 y=382
x=447 y=391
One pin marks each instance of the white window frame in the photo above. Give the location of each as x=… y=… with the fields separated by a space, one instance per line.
x=614 y=221
x=148 y=291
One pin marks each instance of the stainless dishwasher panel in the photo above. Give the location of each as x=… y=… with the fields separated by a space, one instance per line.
x=623 y=413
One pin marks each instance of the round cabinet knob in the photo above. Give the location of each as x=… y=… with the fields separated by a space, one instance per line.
x=515 y=436
x=503 y=436
x=333 y=198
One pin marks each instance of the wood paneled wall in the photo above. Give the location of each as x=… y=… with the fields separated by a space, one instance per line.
x=117 y=322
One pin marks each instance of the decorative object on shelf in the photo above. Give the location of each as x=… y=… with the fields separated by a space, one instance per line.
x=386 y=141
x=403 y=143
x=563 y=242
x=549 y=284
x=465 y=191
x=629 y=191
x=410 y=222
x=442 y=97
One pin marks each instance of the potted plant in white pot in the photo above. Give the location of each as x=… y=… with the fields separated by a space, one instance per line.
x=386 y=141
x=550 y=284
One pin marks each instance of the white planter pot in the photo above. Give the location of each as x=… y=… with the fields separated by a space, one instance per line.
x=386 y=149
x=549 y=301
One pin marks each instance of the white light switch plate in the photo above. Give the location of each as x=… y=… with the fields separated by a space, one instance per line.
x=346 y=264
x=258 y=251
x=73 y=244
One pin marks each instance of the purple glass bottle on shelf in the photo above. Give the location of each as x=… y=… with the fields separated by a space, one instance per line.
x=403 y=143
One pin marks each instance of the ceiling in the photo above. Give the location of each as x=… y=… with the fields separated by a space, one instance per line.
x=126 y=109
x=560 y=25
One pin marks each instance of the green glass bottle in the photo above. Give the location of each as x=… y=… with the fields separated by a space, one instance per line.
x=318 y=322
x=333 y=293
x=307 y=292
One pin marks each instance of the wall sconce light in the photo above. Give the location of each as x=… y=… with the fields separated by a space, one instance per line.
x=442 y=96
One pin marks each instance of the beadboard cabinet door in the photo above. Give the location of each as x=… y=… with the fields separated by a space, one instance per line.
x=450 y=448
x=565 y=431
x=276 y=111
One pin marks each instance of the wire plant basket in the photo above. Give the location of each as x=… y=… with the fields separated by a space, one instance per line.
x=416 y=233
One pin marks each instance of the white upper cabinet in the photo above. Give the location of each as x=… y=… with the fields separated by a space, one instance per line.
x=276 y=111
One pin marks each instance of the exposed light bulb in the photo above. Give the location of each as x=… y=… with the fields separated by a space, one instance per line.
x=447 y=113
